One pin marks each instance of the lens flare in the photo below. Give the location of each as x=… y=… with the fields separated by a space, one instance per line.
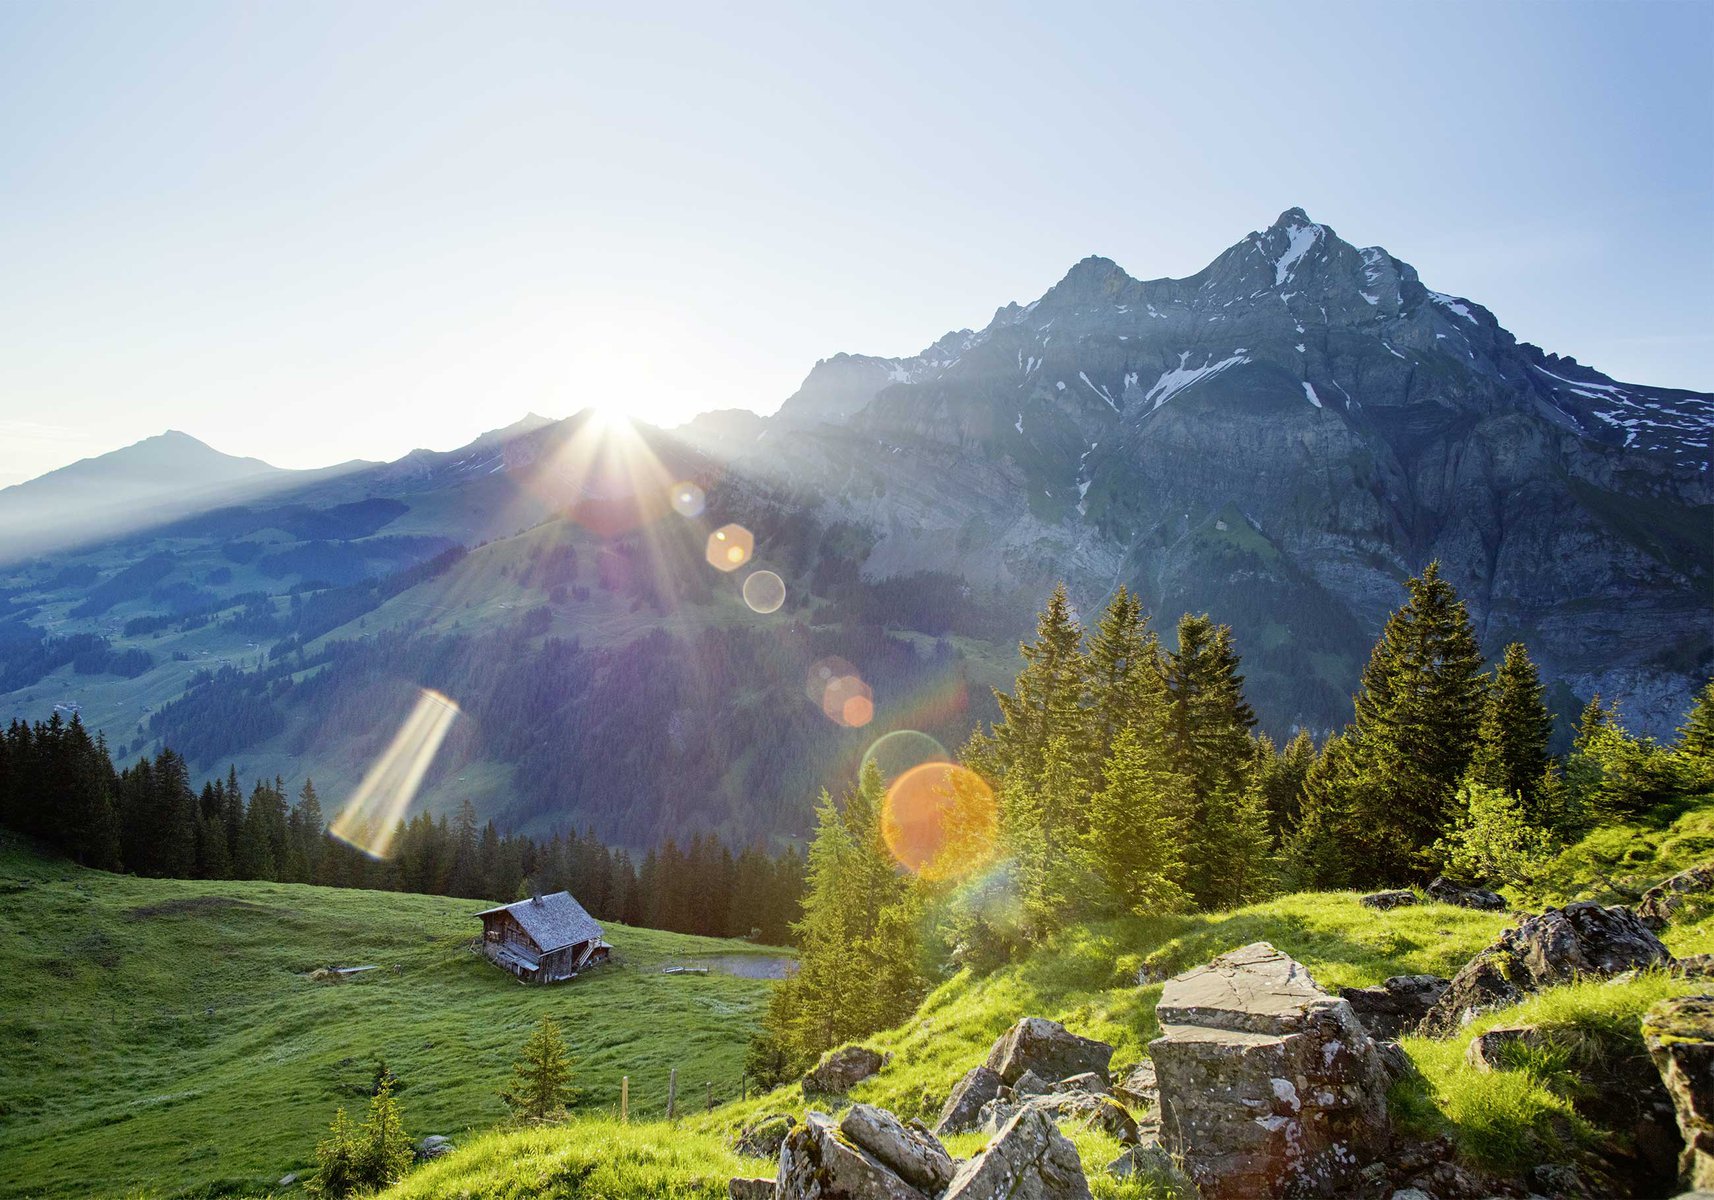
x=835 y=687
x=687 y=499
x=939 y=820
x=897 y=752
x=764 y=591
x=371 y=817
x=730 y=547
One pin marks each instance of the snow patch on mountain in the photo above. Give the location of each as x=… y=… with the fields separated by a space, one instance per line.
x=1301 y=240
x=1172 y=382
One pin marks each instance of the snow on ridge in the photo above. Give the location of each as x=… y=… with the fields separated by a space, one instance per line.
x=1172 y=382
x=1301 y=239
x=1099 y=391
x=1454 y=305
x=1610 y=389
x=1309 y=392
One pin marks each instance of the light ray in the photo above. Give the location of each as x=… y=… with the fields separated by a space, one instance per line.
x=371 y=818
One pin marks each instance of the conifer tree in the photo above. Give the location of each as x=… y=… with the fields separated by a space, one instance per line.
x=542 y=1090
x=1124 y=682
x=1696 y=739
x=1512 y=741
x=1047 y=699
x=1234 y=853
x=339 y=1161
x=387 y=1148
x=1281 y=775
x=1493 y=841
x=1136 y=832
x=1418 y=709
x=1321 y=852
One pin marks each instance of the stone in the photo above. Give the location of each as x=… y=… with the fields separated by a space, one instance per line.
x=1410 y=1193
x=1447 y=892
x=287 y=1181
x=1150 y=1161
x=1029 y=1159
x=1580 y=941
x=963 y=1107
x=433 y=1146
x=1394 y=1060
x=1030 y=1084
x=1047 y=1048
x=843 y=1069
x=1089 y=1082
x=751 y=1189
x=1556 y=1179
x=1398 y=898
x=1695 y=966
x=1138 y=1086
x=1489 y=1051
x=910 y=1152
x=1396 y=1006
x=1679 y=1034
x=1097 y=1112
x=1269 y=1087
x=762 y=1137
x=1668 y=896
x=817 y=1164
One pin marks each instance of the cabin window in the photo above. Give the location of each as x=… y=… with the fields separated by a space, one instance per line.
x=493 y=935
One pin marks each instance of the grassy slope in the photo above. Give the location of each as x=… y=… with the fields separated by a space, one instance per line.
x=1089 y=981
x=164 y=1032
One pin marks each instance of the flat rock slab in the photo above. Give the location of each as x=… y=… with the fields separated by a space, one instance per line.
x=1254 y=989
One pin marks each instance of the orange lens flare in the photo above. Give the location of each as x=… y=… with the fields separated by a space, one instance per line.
x=940 y=820
x=835 y=687
x=730 y=547
x=371 y=817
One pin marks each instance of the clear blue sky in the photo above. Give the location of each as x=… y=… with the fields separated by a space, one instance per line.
x=313 y=231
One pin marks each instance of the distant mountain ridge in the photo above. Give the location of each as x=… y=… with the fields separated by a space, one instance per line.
x=1278 y=440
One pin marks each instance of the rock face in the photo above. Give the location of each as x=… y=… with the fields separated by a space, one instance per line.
x=1447 y=892
x=751 y=1189
x=1139 y=1086
x=762 y=1138
x=1029 y=1159
x=963 y=1108
x=1396 y=1006
x=909 y=1151
x=1680 y=1036
x=1269 y=1087
x=1398 y=898
x=1048 y=1049
x=842 y=1069
x=1664 y=898
x=1561 y=944
x=816 y=1163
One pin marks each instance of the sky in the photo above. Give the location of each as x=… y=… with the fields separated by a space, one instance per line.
x=322 y=231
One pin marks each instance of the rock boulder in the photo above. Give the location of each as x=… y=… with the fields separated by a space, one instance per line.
x=963 y=1108
x=842 y=1069
x=1664 y=898
x=763 y=1137
x=1029 y=1159
x=751 y=1189
x=909 y=1151
x=1047 y=1048
x=1397 y=898
x=1447 y=892
x=1679 y=1034
x=1269 y=1087
x=1578 y=941
x=1396 y=1006
x=816 y=1163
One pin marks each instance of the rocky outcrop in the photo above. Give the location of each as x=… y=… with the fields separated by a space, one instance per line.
x=909 y=1151
x=1494 y=1050
x=763 y=1137
x=1578 y=941
x=751 y=1188
x=434 y=1146
x=1138 y=1086
x=1447 y=892
x=816 y=1163
x=1396 y=1006
x=1397 y=898
x=1665 y=898
x=1048 y=1049
x=1679 y=1034
x=963 y=1107
x=842 y=1069
x=1269 y=1087
x=1029 y=1159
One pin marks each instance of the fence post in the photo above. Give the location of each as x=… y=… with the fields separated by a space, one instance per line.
x=625 y=1098
x=672 y=1093
x=710 y=1104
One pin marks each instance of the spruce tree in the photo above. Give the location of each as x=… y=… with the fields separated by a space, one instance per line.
x=542 y=1090
x=1695 y=746
x=1512 y=741
x=387 y=1148
x=1136 y=829
x=1124 y=682
x=1418 y=709
x=1047 y=699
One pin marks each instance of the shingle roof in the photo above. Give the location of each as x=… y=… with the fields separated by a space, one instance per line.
x=551 y=921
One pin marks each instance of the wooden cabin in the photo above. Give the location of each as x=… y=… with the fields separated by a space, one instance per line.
x=544 y=939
